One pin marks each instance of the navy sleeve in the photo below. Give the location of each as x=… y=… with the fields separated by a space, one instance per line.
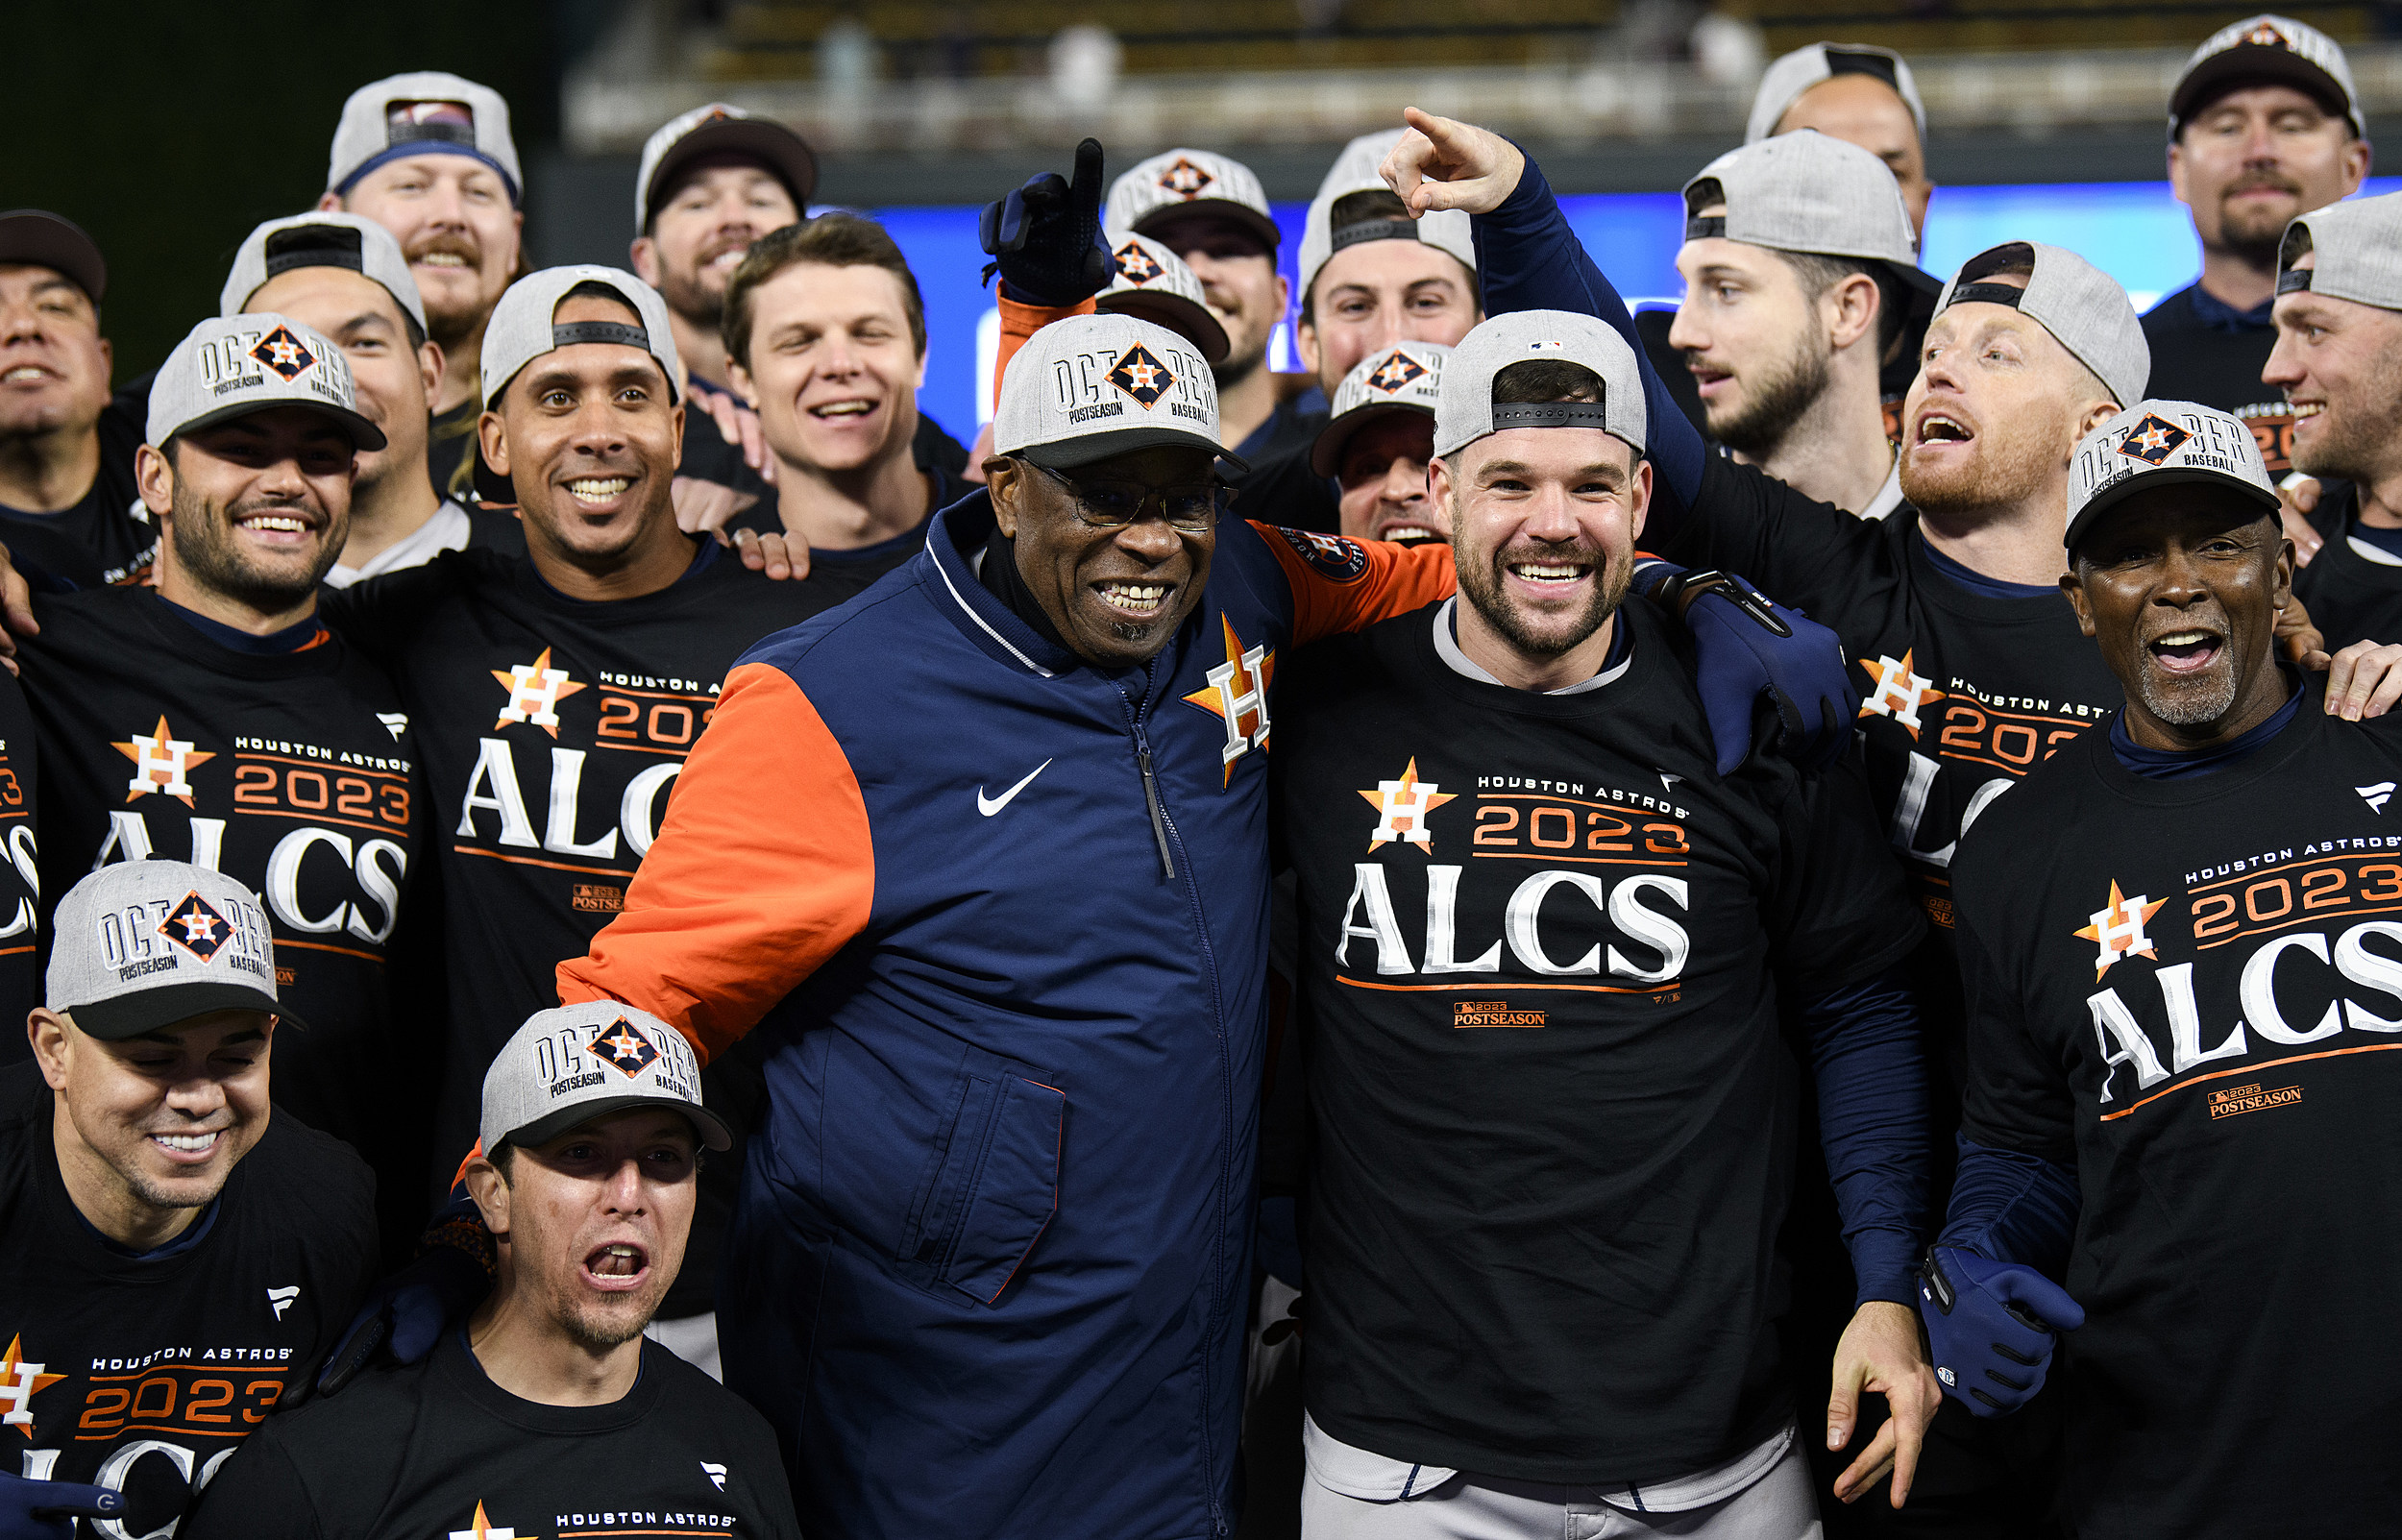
x=1527 y=258
x=2011 y=1207
x=1873 y=1125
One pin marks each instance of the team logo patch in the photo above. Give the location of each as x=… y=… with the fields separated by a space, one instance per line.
x=535 y=690
x=1141 y=376
x=19 y=1383
x=1135 y=264
x=2153 y=439
x=1329 y=556
x=1897 y=691
x=480 y=1527
x=1184 y=178
x=284 y=353
x=1402 y=806
x=196 y=927
x=1396 y=370
x=2117 y=929
x=1237 y=694
x=2265 y=35
x=620 y=1045
x=162 y=763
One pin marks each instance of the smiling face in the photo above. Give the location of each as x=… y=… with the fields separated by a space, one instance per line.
x=1236 y=271
x=1753 y=337
x=1381 y=292
x=156 y=1123
x=2339 y=364
x=833 y=368
x=456 y=225
x=54 y=363
x=1543 y=524
x=589 y=436
x=1864 y=111
x=1114 y=596
x=395 y=380
x=698 y=236
x=592 y=1224
x=1383 y=474
x=1995 y=411
x=2181 y=587
x=256 y=509
x=2255 y=158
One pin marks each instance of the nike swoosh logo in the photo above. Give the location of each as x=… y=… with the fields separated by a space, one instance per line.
x=989 y=805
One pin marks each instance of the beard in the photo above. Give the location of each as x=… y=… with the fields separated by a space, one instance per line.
x=1782 y=390
x=205 y=548
x=2006 y=471
x=2193 y=703
x=1484 y=584
x=2357 y=442
x=2252 y=233
x=450 y=321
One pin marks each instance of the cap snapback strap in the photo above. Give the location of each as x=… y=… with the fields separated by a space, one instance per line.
x=1368 y=230
x=2293 y=280
x=567 y=335
x=1988 y=294
x=1709 y=227
x=1550 y=414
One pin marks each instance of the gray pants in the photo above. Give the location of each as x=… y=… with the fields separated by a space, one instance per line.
x=1466 y=1507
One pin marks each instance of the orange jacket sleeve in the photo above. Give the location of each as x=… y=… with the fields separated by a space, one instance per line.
x=1020 y=321
x=763 y=870
x=1397 y=579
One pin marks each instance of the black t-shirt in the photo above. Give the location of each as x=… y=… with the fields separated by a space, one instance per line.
x=293 y=772
x=22 y=921
x=1284 y=491
x=2190 y=992
x=2351 y=596
x=147 y=1371
x=437 y=1448
x=451 y=451
x=1547 y=1186
x=2204 y=351
x=107 y=537
x=549 y=731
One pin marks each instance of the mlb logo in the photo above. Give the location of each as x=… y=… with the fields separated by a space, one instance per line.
x=196 y=927
x=1140 y=375
x=284 y=353
x=2153 y=439
x=622 y=1047
x=1135 y=264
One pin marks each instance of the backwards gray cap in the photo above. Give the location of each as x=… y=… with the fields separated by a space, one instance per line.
x=721 y=129
x=231 y=366
x=427 y=112
x=522 y=329
x=2358 y=253
x=143 y=944
x=567 y=1066
x=1806 y=192
x=2261 y=50
x=2082 y=306
x=2162 y=443
x=1406 y=378
x=321 y=240
x=1785 y=80
x=1357 y=170
x=1467 y=413
x=1154 y=284
x=1086 y=387
x=1175 y=181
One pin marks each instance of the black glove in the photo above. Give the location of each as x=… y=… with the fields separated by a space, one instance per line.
x=47 y=1510
x=1047 y=236
x=406 y=1313
x=1750 y=650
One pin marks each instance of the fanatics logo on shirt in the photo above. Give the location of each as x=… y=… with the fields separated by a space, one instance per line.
x=162 y=763
x=2117 y=929
x=535 y=690
x=20 y=1382
x=1402 y=806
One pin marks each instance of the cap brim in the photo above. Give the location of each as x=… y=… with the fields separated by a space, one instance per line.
x=712 y=1130
x=41 y=239
x=2112 y=496
x=785 y=153
x=1189 y=321
x=365 y=436
x=1067 y=453
x=1325 y=451
x=2247 y=63
x=129 y=1015
x=1243 y=214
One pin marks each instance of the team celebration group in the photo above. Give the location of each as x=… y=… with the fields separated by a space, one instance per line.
x=621 y=938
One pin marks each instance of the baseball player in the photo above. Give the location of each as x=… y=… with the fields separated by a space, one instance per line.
x=549 y=1415
x=173 y=1261
x=1379 y=442
x=2179 y=958
x=2263 y=126
x=1856 y=92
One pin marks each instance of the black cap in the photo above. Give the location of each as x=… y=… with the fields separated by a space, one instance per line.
x=44 y=240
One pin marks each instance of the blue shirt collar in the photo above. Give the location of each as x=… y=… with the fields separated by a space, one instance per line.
x=2178 y=764
x=2220 y=316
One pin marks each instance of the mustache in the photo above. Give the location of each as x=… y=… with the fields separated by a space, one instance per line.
x=2257 y=180
x=447 y=243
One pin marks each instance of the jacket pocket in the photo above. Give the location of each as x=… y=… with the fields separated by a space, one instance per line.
x=992 y=1183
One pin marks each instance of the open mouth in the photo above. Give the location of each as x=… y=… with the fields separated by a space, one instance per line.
x=598 y=491
x=27 y=374
x=617 y=1266
x=727 y=260
x=447 y=259
x=277 y=527
x=1549 y=578
x=844 y=410
x=1939 y=427
x=2187 y=651
x=1708 y=379
x=1408 y=534
x=188 y=1149
x=1136 y=601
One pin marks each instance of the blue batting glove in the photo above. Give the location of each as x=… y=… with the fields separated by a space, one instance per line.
x=1045 y=237
x=1991 y=1327
x=47 y=1510
x=405 y=1313
x=1749 y=652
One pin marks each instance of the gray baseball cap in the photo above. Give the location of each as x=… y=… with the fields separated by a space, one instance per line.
x=143 y=944
x=2357 y=249
x=1356 y=170
x=229 y=366
x=721 y=129
x=1154 y=284
x=1406 y=378
x=1176 y=181
x=2082 y=306
x=2266 y=50
x=427 y=112
x=321 y=240
x=1806 y=192
x=1784 y=81
x=522 y=329
x=1090 y=386
x=1466 y=412
x=565 y=1067
x=2162 y=443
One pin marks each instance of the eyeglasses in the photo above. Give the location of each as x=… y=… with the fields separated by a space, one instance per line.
x=1190 y=509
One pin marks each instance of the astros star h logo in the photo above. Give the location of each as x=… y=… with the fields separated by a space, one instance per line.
x=2116 y=931
x=1402 y=806
x=1184 y=178
x=535 y=690
x=19 y=1383
x=480 y=1527
x=1237 y=694
x=620 y=1045
x=1141 y=376
x=283 y=353
x=1135 y=264
x=1396 y=370
x=196 y=927
x=162 y=763
x=2153 y=439
x=1897 y=692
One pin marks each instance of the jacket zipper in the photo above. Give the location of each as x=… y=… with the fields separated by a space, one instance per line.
x=1151 y=795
